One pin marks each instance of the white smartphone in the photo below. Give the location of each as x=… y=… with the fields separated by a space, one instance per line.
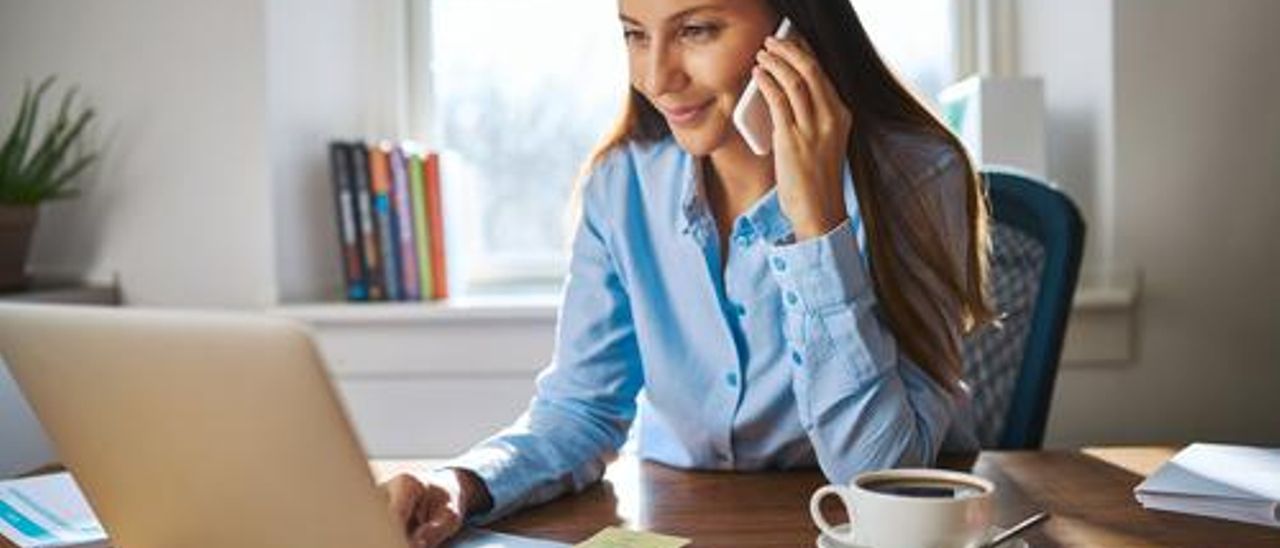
x=751 y=115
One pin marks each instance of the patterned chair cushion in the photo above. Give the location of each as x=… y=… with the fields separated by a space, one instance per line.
x=993 y=354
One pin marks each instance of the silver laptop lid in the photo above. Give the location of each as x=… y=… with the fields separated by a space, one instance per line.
x=196 y=429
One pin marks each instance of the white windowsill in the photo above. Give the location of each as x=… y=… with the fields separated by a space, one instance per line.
x=543 y=306
x=466 y=309
x=1101 y=330
x=1096 y=299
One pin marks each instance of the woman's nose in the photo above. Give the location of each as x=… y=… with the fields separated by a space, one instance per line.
x=663 y=71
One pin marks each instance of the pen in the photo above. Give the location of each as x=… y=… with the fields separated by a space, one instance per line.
x=1016 y=530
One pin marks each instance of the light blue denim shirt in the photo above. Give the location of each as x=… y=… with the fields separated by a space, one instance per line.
x=778 y=360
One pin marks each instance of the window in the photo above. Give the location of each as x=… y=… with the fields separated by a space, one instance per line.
x=916 y=37
x=523 y=89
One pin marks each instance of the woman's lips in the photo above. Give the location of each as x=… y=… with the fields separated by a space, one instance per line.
x=684 y=114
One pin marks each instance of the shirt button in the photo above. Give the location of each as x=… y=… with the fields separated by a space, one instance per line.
x=792 y=298
x=744 y=240
x=779 y=264
x=796 y=357
x=739 y=310
x=731 y=379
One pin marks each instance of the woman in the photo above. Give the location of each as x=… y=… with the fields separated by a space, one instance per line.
x=800 y=308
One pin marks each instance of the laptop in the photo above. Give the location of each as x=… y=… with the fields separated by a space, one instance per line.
x=197 y=429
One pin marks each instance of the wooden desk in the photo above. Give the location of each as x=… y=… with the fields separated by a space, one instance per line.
x=1089 y=494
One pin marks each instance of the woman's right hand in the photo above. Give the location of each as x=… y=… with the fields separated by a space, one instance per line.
x=433 y=510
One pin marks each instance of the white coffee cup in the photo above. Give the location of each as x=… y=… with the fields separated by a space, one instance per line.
x=911 y=508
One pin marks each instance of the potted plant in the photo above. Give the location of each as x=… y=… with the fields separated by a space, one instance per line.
x=34 y=169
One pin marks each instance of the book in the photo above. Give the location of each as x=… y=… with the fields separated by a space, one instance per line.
x=1231 y=482
x=421 y=234
x=385 y=215
x=48 y=511
x=348 y=233
x=406 y=249
x=369 y=247
x=435 y=219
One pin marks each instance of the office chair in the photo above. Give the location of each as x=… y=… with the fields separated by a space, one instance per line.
x=1037 y=238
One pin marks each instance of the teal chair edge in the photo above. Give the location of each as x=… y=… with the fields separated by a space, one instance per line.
x=1048 y=215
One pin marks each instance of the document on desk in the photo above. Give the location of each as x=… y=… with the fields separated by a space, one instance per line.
x=481 y=538
x=48 y=511
x=1223 y=481
x=614 y=537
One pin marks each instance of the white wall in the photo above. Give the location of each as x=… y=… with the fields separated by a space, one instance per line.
x=334 y=70
x=1070 y=45
x=179 y=205
x=214 y=120
x=1195 y=190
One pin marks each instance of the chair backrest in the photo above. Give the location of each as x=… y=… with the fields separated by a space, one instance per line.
x=1037 y=239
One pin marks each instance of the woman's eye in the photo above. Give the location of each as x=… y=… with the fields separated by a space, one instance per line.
x=698 y=32
x=632 y=36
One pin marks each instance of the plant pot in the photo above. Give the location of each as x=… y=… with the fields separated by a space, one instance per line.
x=17 y=225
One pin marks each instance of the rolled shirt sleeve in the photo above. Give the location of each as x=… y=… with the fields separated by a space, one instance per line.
x=585 y=400
x=862 y=403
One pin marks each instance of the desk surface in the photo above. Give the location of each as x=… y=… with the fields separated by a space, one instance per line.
x=1089 y=495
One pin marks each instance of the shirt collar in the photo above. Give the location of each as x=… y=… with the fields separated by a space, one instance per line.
x=768 y=221
x=765 y=217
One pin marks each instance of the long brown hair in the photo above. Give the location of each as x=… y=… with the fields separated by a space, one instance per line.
x=879 y=101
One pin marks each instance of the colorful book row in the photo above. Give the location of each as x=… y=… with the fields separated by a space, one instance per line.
x=390 y=221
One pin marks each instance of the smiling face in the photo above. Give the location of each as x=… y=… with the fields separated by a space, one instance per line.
x=692 y=58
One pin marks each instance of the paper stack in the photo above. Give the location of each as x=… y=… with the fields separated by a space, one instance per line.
x=46 y=512
x=1222 y=481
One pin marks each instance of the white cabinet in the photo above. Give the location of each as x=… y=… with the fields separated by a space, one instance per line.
x=429 y=380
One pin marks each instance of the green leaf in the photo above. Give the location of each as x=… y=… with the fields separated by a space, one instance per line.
x=11 y=154
x=47 y=159
x=56 y=187
x=44 y=152
x=56 y=154
x=24 y=134
x=30 y=175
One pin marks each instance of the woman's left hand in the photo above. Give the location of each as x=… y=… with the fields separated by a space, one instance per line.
x=810 y=136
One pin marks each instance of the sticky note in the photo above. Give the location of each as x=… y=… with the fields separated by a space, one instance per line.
x=613 y=537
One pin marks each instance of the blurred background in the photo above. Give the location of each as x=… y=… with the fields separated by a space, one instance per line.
x=212 y=187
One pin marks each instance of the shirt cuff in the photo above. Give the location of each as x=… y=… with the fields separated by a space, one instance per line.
x=823 y=272
x=492 y=466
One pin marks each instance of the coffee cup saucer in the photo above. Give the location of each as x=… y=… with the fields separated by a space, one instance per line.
x=825 y=541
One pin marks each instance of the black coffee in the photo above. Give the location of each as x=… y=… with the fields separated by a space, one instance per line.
x=930 y=489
